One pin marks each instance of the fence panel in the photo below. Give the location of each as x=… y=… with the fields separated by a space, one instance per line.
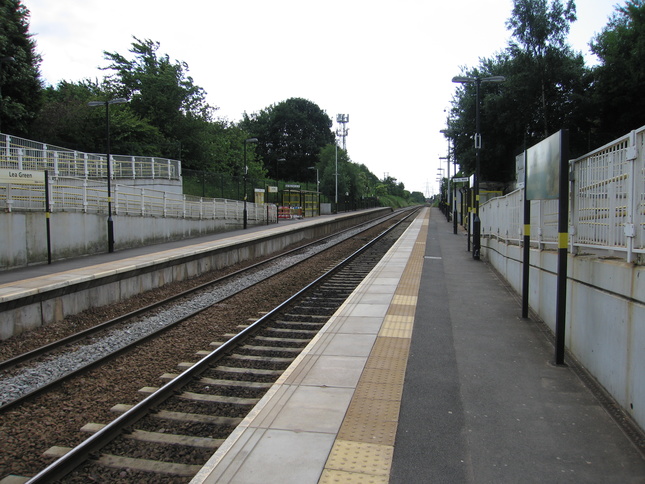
x=22 y=154
x=606 y=204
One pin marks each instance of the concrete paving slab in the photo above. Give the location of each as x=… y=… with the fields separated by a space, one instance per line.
x=359 y=325
x=314 y=409
x=348 y=344
x=335 y=371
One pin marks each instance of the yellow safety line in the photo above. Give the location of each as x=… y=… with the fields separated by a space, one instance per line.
x=364 y=446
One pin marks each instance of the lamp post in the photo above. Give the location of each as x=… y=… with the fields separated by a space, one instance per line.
x=3 y=59
x=279 y=160
x=336 y=175
x=317 y=182
x=246 y=170
x=448 y=133
x=448 y=202
x=277 y=182
x=478 y=144
x=110 y=222
x=317 y=186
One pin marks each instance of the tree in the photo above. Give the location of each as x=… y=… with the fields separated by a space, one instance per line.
x=544 y=91
x=19 y=70
x=294 y=130
x=161 y=92
x=66 y=120
x=541 y=48
x=327 y=171
x=417 y=197
x=619 y=80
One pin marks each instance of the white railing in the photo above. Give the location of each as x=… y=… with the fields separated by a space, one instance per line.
x=606 y=205
x=90 y=196
x=503 y=218
x=22 y=154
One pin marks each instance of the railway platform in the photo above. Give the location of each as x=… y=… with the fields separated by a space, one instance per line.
x=38 y=295
x=428 y=374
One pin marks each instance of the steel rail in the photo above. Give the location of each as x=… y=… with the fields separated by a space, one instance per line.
x=134 y=343
x=35 y=353
x=92 y=445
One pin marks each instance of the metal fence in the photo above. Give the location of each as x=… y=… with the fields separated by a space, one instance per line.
x=606 y=204
x=22 y=154
x=90 y=196
x=78 y=183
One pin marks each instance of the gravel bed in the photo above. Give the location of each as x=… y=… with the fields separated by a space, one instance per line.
x=56 y=418
x=31 y=378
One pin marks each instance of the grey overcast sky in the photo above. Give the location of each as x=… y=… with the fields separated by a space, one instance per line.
x=386 y=63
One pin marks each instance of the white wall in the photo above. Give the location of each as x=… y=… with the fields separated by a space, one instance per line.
x=78 y=234
x=605 y=316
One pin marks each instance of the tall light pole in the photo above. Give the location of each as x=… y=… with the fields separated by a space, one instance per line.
x=246 y=170
x=336 y=175
x=110 y=222
x=448 y=133
x=5 y=60
x=317 y=187
x=317 y=182
x=478 y=144
x=448 y=205
x=277 y=182
x=279 y=160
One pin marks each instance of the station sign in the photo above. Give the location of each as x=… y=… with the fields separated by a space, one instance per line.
x=25 y=177
x=460 y=180
x=292 y=186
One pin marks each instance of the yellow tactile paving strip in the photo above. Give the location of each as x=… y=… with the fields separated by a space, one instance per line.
x=363 y=450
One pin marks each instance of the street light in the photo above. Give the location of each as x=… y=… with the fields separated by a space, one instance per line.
x=246 y=170
x=317 y=182
x=317 y=186
x=449 y=133
x=279 y=160
x=448 y=214
x=3 y=59
x=478 y=144
x=110 y=222
x=336 y=175
x=277 y=181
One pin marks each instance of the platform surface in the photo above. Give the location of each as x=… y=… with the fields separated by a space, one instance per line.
x=427 y=374
x=25 y=281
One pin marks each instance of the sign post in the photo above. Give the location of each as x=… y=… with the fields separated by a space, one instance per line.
x=547 y=178
x=30 y=177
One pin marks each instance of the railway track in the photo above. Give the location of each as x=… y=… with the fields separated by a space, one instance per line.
x=132 y=334
x=204 y=403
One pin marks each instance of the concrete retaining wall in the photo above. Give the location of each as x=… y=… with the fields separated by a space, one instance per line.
x=44 y=304
x=605 y=315
x=79 y=234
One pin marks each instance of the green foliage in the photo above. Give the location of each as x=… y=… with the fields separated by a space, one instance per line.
x=353 y=178
x=545 y=90
x=540 y=27
x=394 y=201
x=417 y=198
x=161 y=92
x=66 y=120
x=294 y=130
x=619 y=80
x=20 y=95
x=166 y=115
